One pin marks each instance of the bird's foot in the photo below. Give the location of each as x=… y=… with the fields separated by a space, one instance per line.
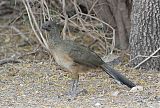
x=82 y=92
x=73 y=94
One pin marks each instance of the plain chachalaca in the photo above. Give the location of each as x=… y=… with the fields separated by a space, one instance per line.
x=77 y=58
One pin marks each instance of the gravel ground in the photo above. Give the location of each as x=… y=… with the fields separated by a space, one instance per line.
x=40 y=85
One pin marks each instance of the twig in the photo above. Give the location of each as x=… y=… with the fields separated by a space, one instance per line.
x=17 y=30
x=20 y=33
x=47 y=9
x=14 y=58
x=113 y=41
x=66 y=19
x=32 y=17
x=92 y=7
x=83 y=28
x=147 y=58
x=78 y=13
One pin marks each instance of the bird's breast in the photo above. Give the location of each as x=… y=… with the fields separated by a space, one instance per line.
x=63 y=59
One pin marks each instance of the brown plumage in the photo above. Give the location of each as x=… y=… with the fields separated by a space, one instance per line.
x=77 y=58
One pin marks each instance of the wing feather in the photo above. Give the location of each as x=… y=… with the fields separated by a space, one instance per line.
x=84 y=56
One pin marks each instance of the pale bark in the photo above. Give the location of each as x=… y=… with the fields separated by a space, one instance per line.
x=145 y=33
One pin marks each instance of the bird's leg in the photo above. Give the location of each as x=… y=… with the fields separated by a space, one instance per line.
x=74 y=87
x=74 y=84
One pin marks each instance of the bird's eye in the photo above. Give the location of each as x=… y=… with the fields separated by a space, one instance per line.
x=49 y=25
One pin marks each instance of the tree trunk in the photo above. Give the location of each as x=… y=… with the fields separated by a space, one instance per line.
x=145 y=34
x=116 y=13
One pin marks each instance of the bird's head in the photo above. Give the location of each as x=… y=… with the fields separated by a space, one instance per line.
x=50 y=25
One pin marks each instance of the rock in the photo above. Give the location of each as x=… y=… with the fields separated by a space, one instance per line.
x=97 y=104
x=115 y=93
x=137 y=89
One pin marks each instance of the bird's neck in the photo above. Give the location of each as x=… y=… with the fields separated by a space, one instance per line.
x=54 y=36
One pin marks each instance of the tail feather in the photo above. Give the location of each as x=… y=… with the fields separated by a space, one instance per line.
x=116 y=75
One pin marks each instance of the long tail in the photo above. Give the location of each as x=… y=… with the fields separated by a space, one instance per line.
x=116 y=75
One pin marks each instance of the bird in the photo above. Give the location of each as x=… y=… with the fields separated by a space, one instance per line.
x=77 y=58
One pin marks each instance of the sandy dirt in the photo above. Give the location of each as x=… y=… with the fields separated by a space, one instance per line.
x=36 y=82
x=40 y=84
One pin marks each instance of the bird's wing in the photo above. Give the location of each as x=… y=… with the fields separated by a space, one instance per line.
x=84 y=56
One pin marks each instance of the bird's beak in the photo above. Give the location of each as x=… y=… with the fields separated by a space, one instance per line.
x=45 y=28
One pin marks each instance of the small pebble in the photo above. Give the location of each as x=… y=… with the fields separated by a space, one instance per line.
x=137 y=89
x=21 y=85
x=97 y=104
x=36 y=92
x=115 y=93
